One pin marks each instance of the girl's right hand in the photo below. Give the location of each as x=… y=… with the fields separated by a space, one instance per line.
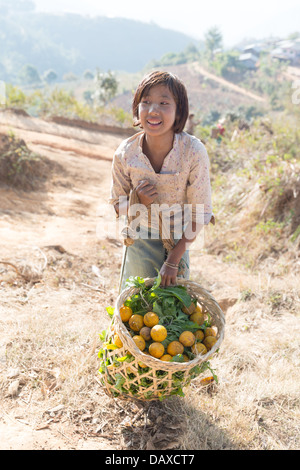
x=146 y=192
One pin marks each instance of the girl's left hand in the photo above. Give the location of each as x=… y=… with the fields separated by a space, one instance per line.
x=168 y=276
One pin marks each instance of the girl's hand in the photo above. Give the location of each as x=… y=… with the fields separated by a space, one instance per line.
x=146 y=192
x=168 y=275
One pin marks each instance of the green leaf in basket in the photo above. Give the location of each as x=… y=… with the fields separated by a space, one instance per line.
x=177 y=358
x=102 y=335
x=110 y=311
x=156 y=282
x=119 y=382
x=110 y=347
x=124 y=358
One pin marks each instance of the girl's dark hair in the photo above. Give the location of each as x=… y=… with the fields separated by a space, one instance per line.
x=177 y=89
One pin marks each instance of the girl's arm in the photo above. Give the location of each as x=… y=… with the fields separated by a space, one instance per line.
x=168 y=273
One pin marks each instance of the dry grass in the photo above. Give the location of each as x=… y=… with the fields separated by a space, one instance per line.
x=54 y=348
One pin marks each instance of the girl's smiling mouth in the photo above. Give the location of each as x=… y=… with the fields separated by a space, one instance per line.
x=153 y=123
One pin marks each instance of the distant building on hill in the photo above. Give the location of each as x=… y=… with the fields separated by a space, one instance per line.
x=248 y=60
x=287 y=51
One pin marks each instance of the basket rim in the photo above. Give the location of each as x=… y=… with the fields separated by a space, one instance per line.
x=157 y=363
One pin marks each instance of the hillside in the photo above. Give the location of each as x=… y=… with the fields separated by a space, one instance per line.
x=74 y=43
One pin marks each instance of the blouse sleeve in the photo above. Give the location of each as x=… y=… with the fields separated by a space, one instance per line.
x=120 y=183
x=199 y=187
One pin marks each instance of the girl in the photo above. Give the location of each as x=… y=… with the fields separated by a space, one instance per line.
x=167 y=170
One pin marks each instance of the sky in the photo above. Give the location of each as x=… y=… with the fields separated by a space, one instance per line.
x=235 y=19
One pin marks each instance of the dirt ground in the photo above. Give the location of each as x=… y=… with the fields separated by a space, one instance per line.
x=68 y=274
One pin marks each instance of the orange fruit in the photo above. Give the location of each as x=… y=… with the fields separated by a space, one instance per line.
x=197 y=317
x=174 y=348
x=140 y=342
x=199 y=335
x=145 y=333
x=189 y=310
x=187 y=338
x=136 y=322
x=209 y=341
x=117 y=341
x=166 y=357
x=199 y=348
x=186 y=358
x=158 y=333
x=199 y=308
x=210 y=332
x=151 y=319
x=156 y=350
x=125 y=313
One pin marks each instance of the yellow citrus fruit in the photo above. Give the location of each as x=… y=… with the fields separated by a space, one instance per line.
x=189 y=310
x=199 y=308
x=174 y=348
x=158 y=333
x=156 y=350
x=210 y=332
x=187 y=338
x=125 y=313
x=145 y=333
x=151 y=319
x=166 y=357
x=136 y=322
x=117 y=341
x=197 y=317
x=199 y=335
x=140 y=342
x=141 y=364
x=186 y=358
x=199 y=348
x=209 y=341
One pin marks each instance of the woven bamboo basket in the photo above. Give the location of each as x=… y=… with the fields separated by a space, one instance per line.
x=148 y=378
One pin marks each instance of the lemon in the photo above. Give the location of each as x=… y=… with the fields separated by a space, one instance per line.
x=166 y=357
x=187 y=338
x=197 y=317
x=199 y=335
x=189 y=310
x=158 y=333
x=140 y=342
x=117 y=341
x=210 y=332
x=209 y=341
x=174 y=348
x=156 y=350
x=125 y=313
x=151 y=319
x=136 y=322
x=145 y=333
x=199 y=348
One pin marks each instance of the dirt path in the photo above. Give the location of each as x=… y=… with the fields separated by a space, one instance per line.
x=196 y=68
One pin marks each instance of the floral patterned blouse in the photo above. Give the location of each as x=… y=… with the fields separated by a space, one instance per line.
x=183 y=178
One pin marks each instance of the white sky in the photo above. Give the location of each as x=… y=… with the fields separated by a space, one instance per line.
x=236 y=19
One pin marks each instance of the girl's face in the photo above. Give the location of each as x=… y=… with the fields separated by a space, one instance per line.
x=157 y=111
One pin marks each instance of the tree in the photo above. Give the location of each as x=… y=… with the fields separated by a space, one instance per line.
x=88 y=75
x=29 y=75
x=213 y=41
x=50 y=76
x=106 y=87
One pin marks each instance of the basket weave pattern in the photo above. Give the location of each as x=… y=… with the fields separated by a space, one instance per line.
x=146 y=377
